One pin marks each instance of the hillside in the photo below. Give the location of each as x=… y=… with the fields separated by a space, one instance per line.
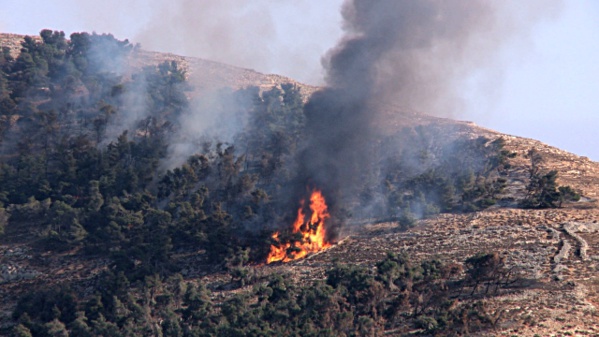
x=202 y=74
x=541 y=279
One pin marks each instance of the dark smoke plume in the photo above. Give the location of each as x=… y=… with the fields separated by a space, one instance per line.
x=407 y=52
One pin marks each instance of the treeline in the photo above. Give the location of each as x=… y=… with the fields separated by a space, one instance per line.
x=398 y=295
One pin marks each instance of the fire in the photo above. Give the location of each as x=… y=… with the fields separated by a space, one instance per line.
x=313 y=232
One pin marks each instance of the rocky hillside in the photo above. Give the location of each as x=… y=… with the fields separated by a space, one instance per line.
x=12 y=42
x=552 y=254
x=210 y=75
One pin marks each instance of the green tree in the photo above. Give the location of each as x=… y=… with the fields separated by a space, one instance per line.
x=56 y=328
x=21 y=331
x=542 y=190
x=197 y=305
x=3 y=219
x=64 y=224
x=96 y=200
x=79 y=327
x=567 y=193
x=102 y=327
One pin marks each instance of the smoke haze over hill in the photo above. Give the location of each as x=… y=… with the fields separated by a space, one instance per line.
x=546 y=65
x=411 y=53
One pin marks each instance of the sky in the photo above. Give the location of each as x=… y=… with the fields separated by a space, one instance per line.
x=542 y=85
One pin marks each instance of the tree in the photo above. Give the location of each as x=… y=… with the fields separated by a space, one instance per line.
x=56 y=328
x=3 y=219
x=21 y=331
x=542 y=190
x=197 y=303
x=79 y=326
x=7 y=105
x=488 y=269
x=96 y=200
x=567 y=193
x=64 y=224
x=102 y=327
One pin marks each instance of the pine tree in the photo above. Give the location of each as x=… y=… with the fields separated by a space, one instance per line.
x=56 y=328
x=21 y=331
x=79 y=326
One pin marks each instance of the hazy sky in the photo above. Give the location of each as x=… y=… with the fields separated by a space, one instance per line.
x=544 y=84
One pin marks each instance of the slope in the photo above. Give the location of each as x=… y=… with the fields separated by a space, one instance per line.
x=551 y=253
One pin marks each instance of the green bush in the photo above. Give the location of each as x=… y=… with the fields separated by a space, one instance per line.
x=429 y=324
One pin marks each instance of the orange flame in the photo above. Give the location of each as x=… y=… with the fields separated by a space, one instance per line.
x=313 y=233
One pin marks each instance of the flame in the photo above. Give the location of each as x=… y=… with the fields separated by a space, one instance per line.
x=313 y=232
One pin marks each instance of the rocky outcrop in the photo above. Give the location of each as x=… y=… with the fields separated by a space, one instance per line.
x=14 y=265
x=15 y=272
x=573 y=227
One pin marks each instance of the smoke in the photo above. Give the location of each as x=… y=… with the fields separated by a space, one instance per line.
x=213 y=117
x=134 y=108
x=414 y=54
x=266 y=35
x=418 y=54
x=225 y=30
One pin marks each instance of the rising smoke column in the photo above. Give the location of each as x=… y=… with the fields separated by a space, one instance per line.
x=409 y=52
x=373 y=60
